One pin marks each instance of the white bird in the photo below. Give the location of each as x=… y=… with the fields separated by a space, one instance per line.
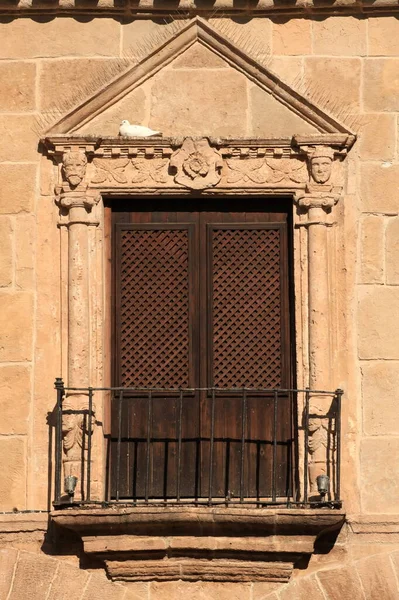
x=127 y=130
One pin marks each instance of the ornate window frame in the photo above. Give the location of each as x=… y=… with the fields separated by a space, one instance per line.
x=311 y=170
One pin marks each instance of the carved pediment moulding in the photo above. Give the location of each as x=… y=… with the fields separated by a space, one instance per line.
x=309 y=168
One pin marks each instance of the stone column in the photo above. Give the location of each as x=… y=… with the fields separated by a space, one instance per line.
x=76 y=203
x=318 y=202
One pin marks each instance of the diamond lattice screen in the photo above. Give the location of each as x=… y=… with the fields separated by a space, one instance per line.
x=246 y=313
x=154 y=319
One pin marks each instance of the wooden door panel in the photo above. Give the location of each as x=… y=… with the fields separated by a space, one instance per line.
x=202 y=301
x=246 y=328
x=155 y=338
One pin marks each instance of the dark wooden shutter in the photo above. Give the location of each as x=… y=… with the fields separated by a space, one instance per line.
x=153 y=321
x=201 y=300
x=245 y=306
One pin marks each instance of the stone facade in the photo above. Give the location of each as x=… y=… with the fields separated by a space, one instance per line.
x=341 y=72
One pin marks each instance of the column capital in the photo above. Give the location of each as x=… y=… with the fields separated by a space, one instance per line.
x=319 y=196
x=73 y=191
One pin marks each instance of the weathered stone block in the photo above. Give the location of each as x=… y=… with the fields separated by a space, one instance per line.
x=132 y=107
x=14 y=398
x=377 y=137
x=335 y=79
x=379 y=487
x=18 y=83
x=25 y=38
x=183 y=114
x=306 y=588
x=18 y=138
x=13 y=474
x=16 y=326
x=378 y=318
x=261 y=590
x=383 y=35
x=345 y=36
x=137 y=591
x=25 y=233
x=17 y=190
x=100 y=587
x=381 y=84
x=392 y=251
x=34 y=573
x=7 y=565
x=69 y=582
x=56 y=77
x=341 y=583
x=379 y=188
x=380 y=384
x=288 y=68
x=394 y=557
x=268 y=117
x=378 y=577
x=257 y=32
x=6 y=252
x=199 y=57
x=292 y=36
x=372 y=249
x=142 y=32
x=170 y=590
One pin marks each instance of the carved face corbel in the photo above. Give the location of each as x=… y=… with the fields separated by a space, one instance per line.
x=74 y=165
x=321 y=164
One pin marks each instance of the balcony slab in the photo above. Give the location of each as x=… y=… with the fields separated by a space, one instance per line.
x=198 y=543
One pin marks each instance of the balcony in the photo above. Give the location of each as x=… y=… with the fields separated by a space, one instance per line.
x=173 y=496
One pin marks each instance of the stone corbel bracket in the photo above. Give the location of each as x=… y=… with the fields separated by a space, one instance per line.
x=202 y=165
x=208 y=544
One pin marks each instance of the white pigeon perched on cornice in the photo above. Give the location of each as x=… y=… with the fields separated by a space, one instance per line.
x=127 y=130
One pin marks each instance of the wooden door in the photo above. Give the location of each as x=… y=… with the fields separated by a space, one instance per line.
x=201 y=302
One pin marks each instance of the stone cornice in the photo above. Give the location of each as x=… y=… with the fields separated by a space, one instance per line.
x=56 y=145
x=128 y=9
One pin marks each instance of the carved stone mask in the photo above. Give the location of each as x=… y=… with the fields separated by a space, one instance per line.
x=321 y=167
x=74 y=167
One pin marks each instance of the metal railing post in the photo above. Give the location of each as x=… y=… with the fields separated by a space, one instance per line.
x=339 y=394
x=59 y=386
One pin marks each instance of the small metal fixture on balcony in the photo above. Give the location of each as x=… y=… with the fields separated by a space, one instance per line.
x=70 y=484
x=323 y=484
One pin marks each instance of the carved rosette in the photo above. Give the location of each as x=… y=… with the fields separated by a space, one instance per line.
x=197 y=165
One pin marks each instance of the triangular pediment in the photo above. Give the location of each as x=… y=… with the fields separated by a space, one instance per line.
x=198 y=83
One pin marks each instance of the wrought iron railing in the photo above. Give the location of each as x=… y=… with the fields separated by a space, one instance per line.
x=198 y=446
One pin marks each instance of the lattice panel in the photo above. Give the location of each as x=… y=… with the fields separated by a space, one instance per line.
x=154 y=319
x=246 y=311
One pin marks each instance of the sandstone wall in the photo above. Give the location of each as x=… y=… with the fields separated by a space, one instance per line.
x=348 y=65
